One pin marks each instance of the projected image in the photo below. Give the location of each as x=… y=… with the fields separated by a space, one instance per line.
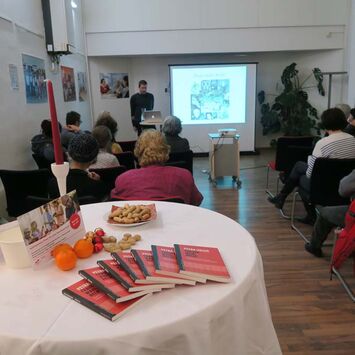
x=209 y=94
x=210 y=100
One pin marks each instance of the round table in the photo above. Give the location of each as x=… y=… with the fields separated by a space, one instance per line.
x=206 y=319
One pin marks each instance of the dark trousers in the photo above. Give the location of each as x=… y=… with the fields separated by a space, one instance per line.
x=297 y=178
x=297 y=172
x=328 y=218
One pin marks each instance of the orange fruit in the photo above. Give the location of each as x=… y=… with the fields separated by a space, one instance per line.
x=83 y=248
x=65 y=259
x=61 y=247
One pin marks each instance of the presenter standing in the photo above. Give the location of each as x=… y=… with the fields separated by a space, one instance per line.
x=140 y=102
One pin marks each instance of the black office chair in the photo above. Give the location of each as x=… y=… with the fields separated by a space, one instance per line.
x=20 y=184
x=127 y=146
x=41 y=162
x=181 y=160
x=324 y=186
x=109 y=175
x=289 y=150
x=36 y=201
x=126 y=159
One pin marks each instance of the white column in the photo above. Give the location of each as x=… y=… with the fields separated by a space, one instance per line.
x=351 y=55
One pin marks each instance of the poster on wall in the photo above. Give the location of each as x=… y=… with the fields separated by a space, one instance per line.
x=114 y=85
x=82 y=86
x=35 y=74
x=13 y=77
x=68 y=83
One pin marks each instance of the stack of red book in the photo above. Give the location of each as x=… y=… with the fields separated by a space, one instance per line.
x=116 y=285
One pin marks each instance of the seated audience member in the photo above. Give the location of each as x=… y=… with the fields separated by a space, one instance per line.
x=153 y=179
x=42 y=143
x=345 y=108
x=337 y=145
x=83 y=150
x=104 y=159
x=105 y=119
x=331 y=217
x=171 y=129
x=350 y=128
x=71 y=129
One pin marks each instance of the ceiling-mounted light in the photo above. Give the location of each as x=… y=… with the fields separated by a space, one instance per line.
x=73 y=4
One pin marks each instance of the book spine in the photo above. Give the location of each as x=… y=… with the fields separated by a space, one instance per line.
x=179 y=257
x=155 y=257
x=124 y=266
x=88 y=304
x=115 y=275
x=98 y=284
x=140 y=262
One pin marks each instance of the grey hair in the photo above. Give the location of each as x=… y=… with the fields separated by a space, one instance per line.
x=172 y=126
x=345 y=108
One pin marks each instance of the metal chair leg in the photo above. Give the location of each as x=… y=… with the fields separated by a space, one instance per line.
x=267 y=183
x=293 y=226
x=347 y=288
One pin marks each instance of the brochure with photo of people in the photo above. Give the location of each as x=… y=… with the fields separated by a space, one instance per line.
x=58 y=221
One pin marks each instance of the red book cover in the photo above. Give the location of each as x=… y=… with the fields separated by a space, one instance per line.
x=165 y=263
x=144 y=259
x=119 y=274
x=202 y=261
x=107 y=284
x=91 y=297
x=129 y=264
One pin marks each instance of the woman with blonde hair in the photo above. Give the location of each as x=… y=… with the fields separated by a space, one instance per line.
x=105 y=119
x=154 y=180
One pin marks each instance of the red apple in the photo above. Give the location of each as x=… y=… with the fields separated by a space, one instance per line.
x=98 y=247
x=97 y=239
x=99 y=232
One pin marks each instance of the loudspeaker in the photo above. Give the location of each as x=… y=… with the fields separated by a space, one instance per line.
x=59 y=25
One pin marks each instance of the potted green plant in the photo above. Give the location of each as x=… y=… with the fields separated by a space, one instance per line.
x=291 y=112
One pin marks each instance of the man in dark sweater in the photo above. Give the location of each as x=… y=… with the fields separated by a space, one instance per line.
x=140 y=102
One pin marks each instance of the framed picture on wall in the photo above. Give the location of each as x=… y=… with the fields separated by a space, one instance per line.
x=34 y=74
x=68 y=83
x=114 y=85
x=82 y=86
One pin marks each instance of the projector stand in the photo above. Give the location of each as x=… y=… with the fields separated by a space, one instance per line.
x=224 y=157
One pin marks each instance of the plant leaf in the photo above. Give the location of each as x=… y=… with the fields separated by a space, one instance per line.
x=261 y=97
x=318 y=75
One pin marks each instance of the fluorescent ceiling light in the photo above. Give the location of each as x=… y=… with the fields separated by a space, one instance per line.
x=73 y=4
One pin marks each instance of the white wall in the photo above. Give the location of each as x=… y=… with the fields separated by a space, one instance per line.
x=155 y=70
x=22 y=32
x=209 y=26
x=153 y=15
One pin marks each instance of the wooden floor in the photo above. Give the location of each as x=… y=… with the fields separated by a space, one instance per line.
x=311 y=314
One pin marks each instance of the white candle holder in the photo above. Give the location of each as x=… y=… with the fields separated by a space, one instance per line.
x=60 y=171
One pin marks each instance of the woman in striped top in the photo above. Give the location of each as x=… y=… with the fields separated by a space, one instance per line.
x=337 y=145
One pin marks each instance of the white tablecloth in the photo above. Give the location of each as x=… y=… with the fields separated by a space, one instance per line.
x=35 y=318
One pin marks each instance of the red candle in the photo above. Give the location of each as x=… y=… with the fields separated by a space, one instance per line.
x=58 y=152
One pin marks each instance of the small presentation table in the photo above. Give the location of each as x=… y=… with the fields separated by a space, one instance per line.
x=224 y=157
x=210 y=319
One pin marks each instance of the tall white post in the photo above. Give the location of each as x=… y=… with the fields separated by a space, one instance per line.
x=351 y=55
